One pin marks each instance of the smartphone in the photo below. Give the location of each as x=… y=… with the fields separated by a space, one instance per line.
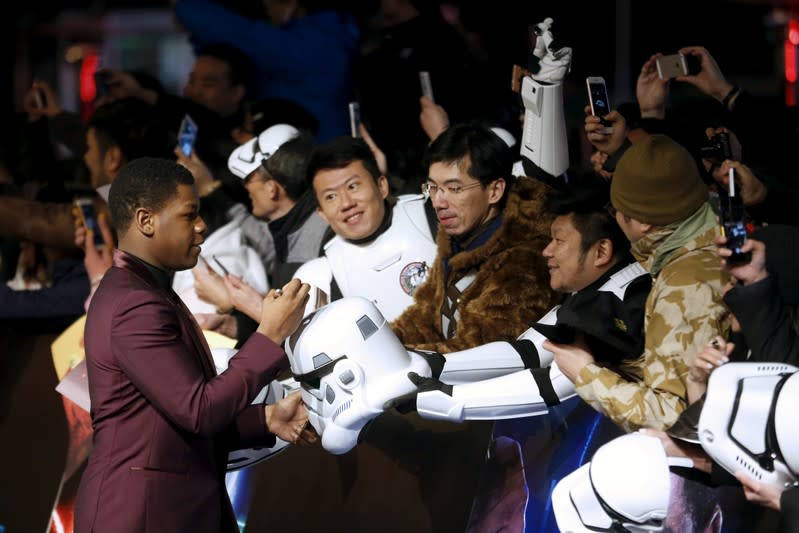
x=427 y=87
x=40 y=98
x=675 y=65
x=733 y=226
x=101 y=86
x=187 y=135
x=599 y=101
x=88 y=218
x=355 y=119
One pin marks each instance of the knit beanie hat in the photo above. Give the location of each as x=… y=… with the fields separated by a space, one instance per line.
x=657 y=182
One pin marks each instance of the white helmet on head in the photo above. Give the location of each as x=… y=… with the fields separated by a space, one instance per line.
x=349 y=365
x=625 y=487
x=748 y=424
x=249 y=156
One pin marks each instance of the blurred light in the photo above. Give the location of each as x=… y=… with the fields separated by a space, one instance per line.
x=74 y=53
x=793 y=31
x=88 y=91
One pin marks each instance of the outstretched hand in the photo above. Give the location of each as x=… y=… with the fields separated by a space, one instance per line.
x=288 y=418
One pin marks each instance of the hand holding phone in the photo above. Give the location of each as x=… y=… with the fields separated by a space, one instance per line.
x=87 y=216
x=40 y=98
x=674 y=65
x=599 y=101
x=733 y=227
x=187 y=135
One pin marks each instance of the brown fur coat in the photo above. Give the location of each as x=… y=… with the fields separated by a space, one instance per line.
x=511 y=289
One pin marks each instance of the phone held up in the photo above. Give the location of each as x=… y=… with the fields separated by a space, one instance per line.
x=40 y=98
x=187 y=135
x=675 y=65
x=733 y=226
x=355 y=119
x=598 y=99
x=88 y=218
x=426 y=84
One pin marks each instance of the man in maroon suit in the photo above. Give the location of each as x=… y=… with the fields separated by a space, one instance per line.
x=163 y=419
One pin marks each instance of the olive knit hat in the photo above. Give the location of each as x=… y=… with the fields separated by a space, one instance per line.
x=657 y=182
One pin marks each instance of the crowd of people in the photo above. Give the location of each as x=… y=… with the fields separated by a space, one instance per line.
x=614 y=282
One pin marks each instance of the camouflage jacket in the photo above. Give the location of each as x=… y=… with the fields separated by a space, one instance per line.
x=684 y=310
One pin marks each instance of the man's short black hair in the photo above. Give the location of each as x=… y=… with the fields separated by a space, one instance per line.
x=288 y=165
x=587 y=201
x=339 y=153
x=147 y=182
x=489 y=156
x=134 y=127
x=238 y=63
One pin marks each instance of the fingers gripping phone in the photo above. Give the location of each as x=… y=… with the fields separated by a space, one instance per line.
x=88 y=218
x=598 y=99
x=733 y=226
x=187 y=135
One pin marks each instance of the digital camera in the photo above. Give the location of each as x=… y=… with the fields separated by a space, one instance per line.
x=718 y=148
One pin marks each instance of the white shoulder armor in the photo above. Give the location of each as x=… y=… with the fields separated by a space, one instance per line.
x=318 y=275
x=387 y=270
x=618 y=282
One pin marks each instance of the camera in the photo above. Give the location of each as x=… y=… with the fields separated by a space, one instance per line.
x=717 y=149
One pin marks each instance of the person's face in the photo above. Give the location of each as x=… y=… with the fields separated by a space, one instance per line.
x=350 y=200
x=460 y=213
x=95 y=160
x=567 y=263
x=260 y=189
x=178 y=231
x=209 y=85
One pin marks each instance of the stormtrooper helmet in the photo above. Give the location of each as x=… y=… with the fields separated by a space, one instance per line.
x=349 y=364
x=625 y=487
x=747 y=423
x=270 y=394
x=249 y=156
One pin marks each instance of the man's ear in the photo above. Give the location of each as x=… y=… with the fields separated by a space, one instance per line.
x=645 y=228
x=113 y=160
x=603 y=252
x=382 y=186
x=144 y=221
x=495 y=190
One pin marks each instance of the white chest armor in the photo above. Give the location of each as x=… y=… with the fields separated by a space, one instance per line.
x=387 y=270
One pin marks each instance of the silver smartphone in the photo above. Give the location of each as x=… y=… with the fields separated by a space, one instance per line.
x=671 y=66
x=598 y=99
x=355 y=119
x=427 y=86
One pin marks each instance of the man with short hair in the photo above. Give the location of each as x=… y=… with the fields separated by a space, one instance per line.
x=163 y=419
x=661 y=205
x=488 y=281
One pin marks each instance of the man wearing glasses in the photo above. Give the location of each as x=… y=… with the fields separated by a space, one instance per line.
x=489 y=280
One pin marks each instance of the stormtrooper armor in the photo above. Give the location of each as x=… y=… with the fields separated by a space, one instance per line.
x=272 y=393
x=349 y=365
x=386 y=270
x=245 y=159
x=748 y=423
x=544 y=140
x=625 y=487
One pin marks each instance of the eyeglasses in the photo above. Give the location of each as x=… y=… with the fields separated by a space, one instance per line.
x=430 y=189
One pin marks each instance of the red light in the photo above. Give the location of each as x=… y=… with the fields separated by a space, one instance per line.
x=790 y=62
x=793 y=32
x=88 y=91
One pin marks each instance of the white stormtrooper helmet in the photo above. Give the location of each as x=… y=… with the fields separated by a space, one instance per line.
x=270 y=394
x=625 y=487
x=248 y=157
x=747 y=423
x=349 y=365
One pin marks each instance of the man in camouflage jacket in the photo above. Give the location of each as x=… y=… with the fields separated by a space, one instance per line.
x=661 y=205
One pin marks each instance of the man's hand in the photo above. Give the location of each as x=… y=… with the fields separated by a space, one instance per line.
x=709 y=80
x=608 y=143
x=380 y=156
x=282 y=310
x=650 y=91
x=203 y=178
x=96 y=261
x=747 y=273
x=762 y=493
x=287 y=420
x=752 y=190
x=244 y=297
x=30 y=103
x=433 y=117
x=570 y=358
x=210 y=287
x=223 y=324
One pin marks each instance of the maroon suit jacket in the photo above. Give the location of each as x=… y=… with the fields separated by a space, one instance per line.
x=163 y=419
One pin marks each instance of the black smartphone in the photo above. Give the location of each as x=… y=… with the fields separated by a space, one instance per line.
x=598 y=99
x=187 y=135
x=733 y=226
x=88 y=217
x=218 y=262
x=355 y=119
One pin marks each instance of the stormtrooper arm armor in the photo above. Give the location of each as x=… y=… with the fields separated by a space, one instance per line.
x=520 y=394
